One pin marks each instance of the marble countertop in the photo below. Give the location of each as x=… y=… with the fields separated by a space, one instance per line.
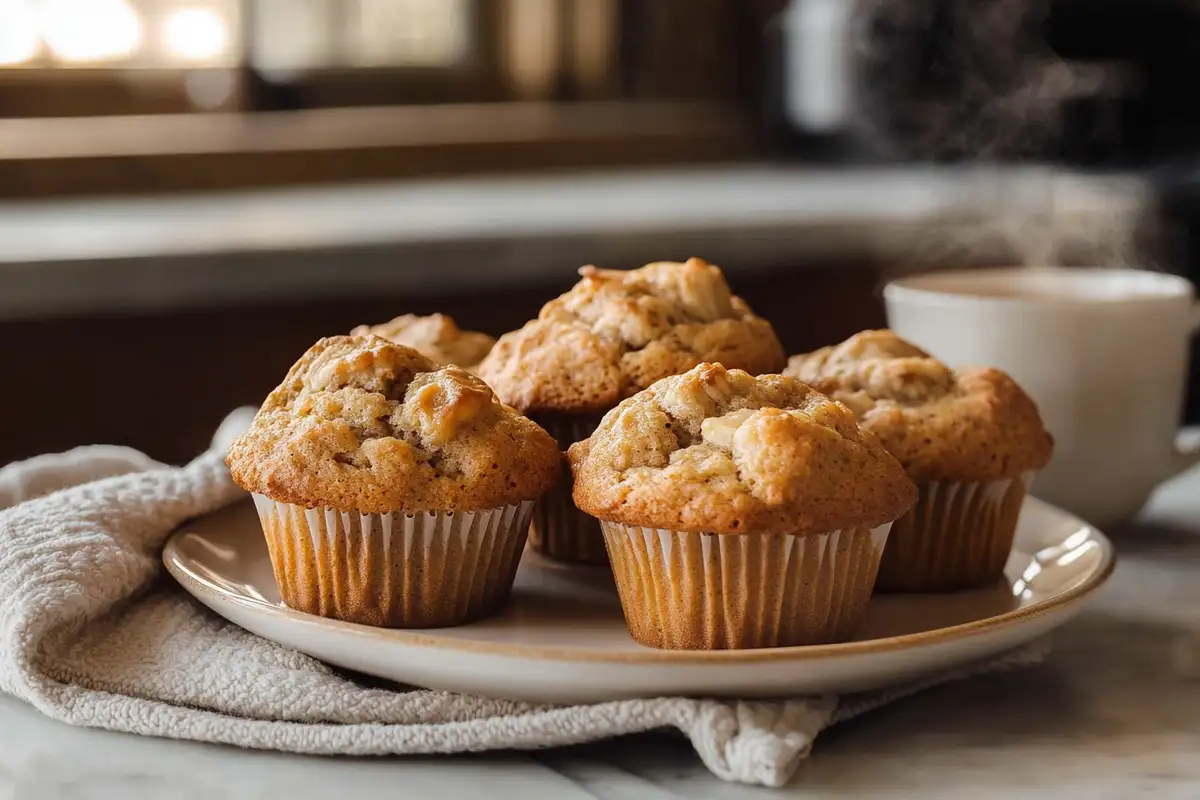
x=119 y=254
x=1114 y=713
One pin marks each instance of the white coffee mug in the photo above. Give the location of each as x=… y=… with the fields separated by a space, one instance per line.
x=1103 y=352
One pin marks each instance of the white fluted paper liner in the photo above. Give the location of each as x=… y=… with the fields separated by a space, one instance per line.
x=706 y=591
x=560 y=530
x=397 y=570
x=957 y=536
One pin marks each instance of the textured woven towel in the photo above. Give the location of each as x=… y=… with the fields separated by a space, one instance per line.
x=92 y=633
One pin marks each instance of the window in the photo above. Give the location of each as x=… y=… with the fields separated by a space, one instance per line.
x=298 y=53
x=611 y=81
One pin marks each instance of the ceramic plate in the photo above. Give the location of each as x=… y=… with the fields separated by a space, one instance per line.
x=562 y=638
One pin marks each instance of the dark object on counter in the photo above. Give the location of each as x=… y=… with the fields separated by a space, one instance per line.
x=944 y=79
x=1096 y=82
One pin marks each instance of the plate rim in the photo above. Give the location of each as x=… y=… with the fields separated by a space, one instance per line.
x=197 y=586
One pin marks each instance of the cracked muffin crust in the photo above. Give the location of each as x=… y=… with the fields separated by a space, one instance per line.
x=971 y=424
x=618 y=331
x=436 y=336
x=721 y=451
x=362 y=424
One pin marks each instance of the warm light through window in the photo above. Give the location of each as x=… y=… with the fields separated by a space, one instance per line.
x=195 y=34
x=19 y=40
x=290 y=36
x=406 y=32
x=81 y=31
x=295 y=36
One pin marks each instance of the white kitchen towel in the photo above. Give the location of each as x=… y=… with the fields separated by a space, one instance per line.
x=93 y=633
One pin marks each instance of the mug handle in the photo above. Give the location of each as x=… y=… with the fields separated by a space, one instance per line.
x=1187 y=450
x=1187 y=442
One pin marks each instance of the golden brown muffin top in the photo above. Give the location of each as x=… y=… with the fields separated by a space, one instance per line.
x=721 y=451
x=362 y=424
x=618 y=331
x=973 y=424
x=436 y=336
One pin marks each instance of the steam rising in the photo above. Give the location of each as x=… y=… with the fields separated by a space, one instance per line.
x=976 y=80
x=951 y=79
x=1040 y=217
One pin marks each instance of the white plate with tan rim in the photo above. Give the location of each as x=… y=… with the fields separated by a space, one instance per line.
x=562 y=638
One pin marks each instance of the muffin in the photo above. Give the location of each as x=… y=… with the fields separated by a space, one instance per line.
x=437 y=337
x=612 y=335
x=392 y=492
x=970 y=438
x=739 y=512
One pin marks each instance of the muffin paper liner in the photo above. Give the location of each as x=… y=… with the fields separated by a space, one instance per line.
x=560 y=530
x=957 y=536
x=707 y=591
x=397 y=570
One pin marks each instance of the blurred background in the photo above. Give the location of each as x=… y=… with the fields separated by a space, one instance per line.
x=192 y=191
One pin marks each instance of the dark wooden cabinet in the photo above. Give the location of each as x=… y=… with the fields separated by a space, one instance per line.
x=162 y=382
